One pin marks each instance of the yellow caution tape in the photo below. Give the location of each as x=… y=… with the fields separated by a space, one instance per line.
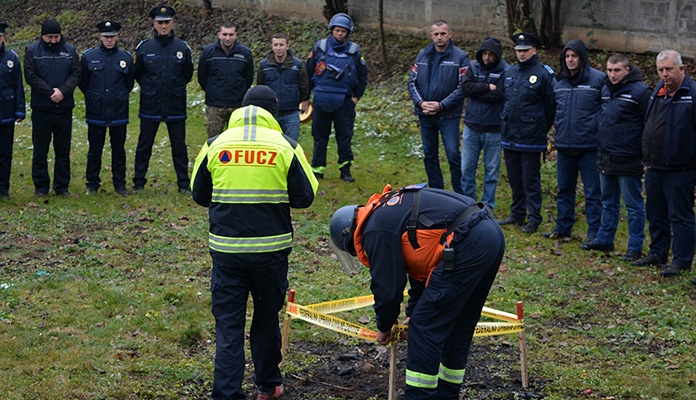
x=497 y=328
x=489 y=312
x=330 y=322
x=353 y=303
x=348 y=328
x=345 y=304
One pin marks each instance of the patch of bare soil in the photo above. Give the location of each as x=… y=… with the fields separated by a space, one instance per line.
x=361 y=372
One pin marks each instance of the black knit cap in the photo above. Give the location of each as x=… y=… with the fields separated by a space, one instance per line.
x=50 y=26
x=262 y=96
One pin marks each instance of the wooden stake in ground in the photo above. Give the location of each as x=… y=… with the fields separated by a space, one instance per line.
x=286 y=327
x=392 y=371
x=523 y=347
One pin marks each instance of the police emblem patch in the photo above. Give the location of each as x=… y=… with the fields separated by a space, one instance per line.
x=122 y=63
x=179 y=55
x=10 y=63
x=532 y=79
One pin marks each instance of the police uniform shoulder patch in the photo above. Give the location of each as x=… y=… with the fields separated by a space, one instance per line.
x=549 y=69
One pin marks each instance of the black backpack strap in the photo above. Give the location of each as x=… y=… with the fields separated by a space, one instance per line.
x=460 y=219
x=413 y=220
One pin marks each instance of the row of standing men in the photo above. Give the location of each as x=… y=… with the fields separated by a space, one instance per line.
x=163 y=66
x=608 y=129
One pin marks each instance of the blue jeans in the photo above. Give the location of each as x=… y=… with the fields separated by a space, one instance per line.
x=473 y=142
x=567 y=167
x=290 y=124
x=432 y=128
x=669 y=206
x=630 y=188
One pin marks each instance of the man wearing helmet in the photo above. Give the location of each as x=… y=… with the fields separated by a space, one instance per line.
x=450 y=247
x=338 y=76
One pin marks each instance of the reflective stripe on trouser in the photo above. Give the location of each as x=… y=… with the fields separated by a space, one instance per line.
x=422 y=380
x=443 y=321
x=261 y=244
x=418 y=379
x=451 y=375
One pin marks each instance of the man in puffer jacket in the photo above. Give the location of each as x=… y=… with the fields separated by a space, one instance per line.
x=625 y=100
x=577 y=91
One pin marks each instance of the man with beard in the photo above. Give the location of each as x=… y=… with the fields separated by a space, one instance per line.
x=225 y=73
x=163 y=67
x=52 y=69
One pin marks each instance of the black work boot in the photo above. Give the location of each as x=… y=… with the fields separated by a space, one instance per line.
x=345 y=173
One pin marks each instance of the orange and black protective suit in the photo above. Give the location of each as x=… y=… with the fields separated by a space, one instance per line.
x=447 y=294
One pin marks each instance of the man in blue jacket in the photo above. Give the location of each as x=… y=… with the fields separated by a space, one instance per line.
x=481 y=84
x=52 y=69
x=12 y=108
x=438 y=102
x=577 y=91
x=163 y=67
x=107 y=80
x=337 y=75
x=625 y=99
x=669 y=152
x=527 y=117
x=286 y=75
x=225 y=72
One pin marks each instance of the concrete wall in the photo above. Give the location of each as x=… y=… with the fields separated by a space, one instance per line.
x=621 y=25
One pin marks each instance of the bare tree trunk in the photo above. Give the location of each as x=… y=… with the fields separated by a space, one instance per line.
x=208 y=4
x=520 y=16
x=526 y=21
x=334 y=7
x=557 y=24
x=382 y=41
x=546 y=23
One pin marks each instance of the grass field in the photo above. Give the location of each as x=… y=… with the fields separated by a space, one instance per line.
x=107 y=297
